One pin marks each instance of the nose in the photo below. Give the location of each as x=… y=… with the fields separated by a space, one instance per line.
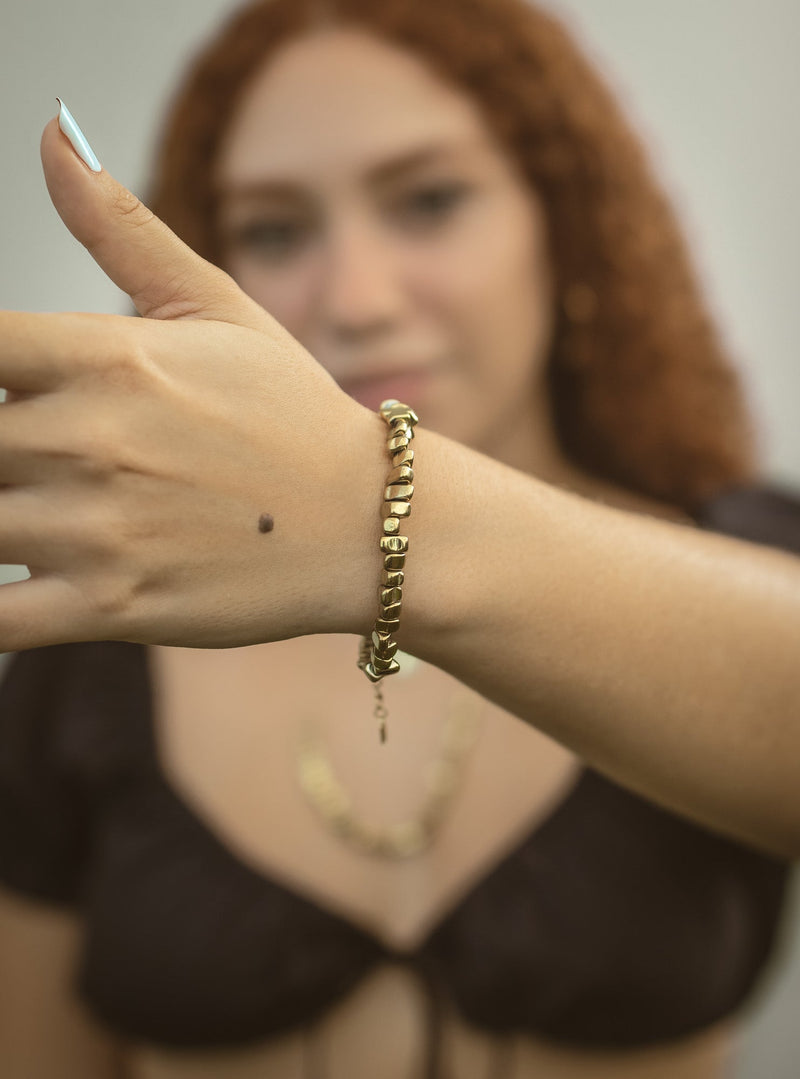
x=361 y=291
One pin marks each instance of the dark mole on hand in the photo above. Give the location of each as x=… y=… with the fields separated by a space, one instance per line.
x=266 y=522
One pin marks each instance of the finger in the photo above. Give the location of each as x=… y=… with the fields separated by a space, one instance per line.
x=38 y=448
x=164 y=278
x=42 y=611
x=46 y=435
x=41 y=352
x=50 y=530
x=32 y=530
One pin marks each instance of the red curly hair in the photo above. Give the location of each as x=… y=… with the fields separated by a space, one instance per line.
x=643 y=393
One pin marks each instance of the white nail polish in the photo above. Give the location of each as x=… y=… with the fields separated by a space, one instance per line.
x=66 y=121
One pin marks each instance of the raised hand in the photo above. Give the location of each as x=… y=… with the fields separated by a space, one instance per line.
x=193 y=477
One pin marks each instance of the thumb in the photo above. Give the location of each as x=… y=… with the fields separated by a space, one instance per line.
x=164 y=278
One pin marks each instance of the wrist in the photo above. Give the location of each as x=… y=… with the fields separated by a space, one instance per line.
x=360 y=565
x=464 y=549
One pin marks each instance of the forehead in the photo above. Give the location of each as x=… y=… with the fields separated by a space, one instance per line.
x=341 y=100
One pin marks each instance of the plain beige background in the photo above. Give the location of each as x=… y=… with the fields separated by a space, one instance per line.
x=713 y=86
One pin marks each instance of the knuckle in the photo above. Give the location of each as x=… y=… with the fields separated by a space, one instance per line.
x=97 y=450
x=127 y=205
x=107 y=536
x=172 y=297
x=94 y=453
x=118 y=591
x=112 y=598
x=128 y=370
x=111 y=546
x=125 y=366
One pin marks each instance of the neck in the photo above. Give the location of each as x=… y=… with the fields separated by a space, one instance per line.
x=527 y=441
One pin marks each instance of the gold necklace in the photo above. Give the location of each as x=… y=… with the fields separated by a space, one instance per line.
x=414 y=835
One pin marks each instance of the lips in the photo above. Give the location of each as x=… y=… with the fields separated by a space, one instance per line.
x=404 y=386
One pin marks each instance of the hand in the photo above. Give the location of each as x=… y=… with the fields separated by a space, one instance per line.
x=138 y=456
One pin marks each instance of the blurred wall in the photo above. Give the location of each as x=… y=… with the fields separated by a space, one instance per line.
x=711 y=84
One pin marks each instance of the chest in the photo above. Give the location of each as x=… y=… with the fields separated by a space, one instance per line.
x=228 y=725
x=239 y=919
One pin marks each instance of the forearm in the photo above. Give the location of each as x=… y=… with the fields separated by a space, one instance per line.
x=667 y=657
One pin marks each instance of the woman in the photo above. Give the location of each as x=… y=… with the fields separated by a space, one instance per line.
x=442 y=205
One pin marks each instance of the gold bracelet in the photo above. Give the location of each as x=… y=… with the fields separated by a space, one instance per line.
x=377 y=656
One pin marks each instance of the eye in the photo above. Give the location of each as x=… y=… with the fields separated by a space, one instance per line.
x=269 y=238
x=430 y=204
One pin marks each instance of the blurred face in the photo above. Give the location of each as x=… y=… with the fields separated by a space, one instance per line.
x=366 y=205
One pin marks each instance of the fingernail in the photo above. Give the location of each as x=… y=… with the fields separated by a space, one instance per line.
x=66 y=121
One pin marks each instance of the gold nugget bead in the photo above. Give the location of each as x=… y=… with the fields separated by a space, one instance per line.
x=391 y=525
x=399 y=442
x=392 y=578
x=387 y=664
x=394 y=545
x=392 y=666
x=394 y=562
x=398 y=509
x=404 y=456
x=387 y=625
x=392 y=409
x=383 y=643
x=391 y=610
x=384 y=654
x=401 y=474
x=390 y=595
x=400 y=492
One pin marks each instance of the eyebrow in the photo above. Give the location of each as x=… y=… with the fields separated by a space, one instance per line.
x=377 y=175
